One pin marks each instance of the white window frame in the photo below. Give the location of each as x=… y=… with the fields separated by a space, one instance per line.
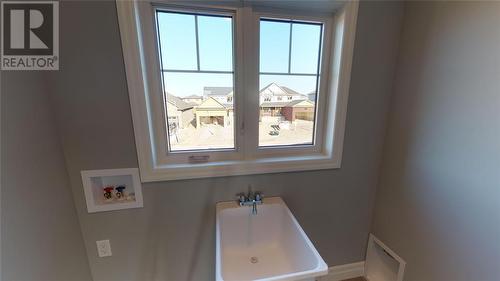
x=137 y=29
x=179 y=156
x=318 y=135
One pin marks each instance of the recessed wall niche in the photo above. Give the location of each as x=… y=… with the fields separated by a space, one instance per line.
x=112 y=189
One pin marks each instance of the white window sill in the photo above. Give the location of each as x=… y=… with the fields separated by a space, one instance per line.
x=240 y=167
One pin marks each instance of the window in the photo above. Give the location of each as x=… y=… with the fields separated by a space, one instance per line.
x=290 y=59
x=219 y=91
x=196 y=57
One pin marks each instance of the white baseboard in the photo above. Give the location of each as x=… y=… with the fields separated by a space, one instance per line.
x=345 y=271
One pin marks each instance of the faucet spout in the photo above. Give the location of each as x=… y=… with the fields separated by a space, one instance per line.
x=250 y=200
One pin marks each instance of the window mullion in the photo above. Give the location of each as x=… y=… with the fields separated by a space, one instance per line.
x=197 y=42
x=240 y=82
x=250 y=53
x=290 y=49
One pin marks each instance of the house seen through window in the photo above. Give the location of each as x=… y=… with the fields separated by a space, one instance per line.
x=197 y=69
x=289 y=75
x=197 y=66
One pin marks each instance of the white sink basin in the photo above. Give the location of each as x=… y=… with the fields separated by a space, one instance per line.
x=270 y=245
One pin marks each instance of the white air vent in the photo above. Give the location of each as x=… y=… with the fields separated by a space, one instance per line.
x=382 y=264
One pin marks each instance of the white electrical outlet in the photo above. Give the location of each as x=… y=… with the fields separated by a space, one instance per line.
x=103 y=248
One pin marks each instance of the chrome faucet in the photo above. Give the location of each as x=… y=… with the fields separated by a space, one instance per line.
x=251 y=199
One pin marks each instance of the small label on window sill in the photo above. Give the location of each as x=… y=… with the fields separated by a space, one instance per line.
x=198 y=159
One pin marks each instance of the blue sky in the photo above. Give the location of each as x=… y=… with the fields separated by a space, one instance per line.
x=178 y=51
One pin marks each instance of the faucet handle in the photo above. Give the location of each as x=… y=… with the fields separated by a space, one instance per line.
x=258 y=196
x=241 y=197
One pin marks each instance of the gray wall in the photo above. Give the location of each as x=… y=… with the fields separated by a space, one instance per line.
x=172 y=237
x=41 y=237
x=438 y=201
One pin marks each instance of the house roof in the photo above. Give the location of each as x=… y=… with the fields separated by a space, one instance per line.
x=296 y=102
x=205 y=105
x=178 y=102
x=228 y=105
x=192 y=97
x=272 y=89
x=217 y=91
x=276 y=90
x=291 y=92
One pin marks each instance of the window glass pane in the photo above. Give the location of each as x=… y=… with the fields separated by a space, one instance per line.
x=215 y=43
x=305 y=48
x=287 y=110
x=200 y=110
x=274 y=46
x=177 y=38
x=199 y=105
